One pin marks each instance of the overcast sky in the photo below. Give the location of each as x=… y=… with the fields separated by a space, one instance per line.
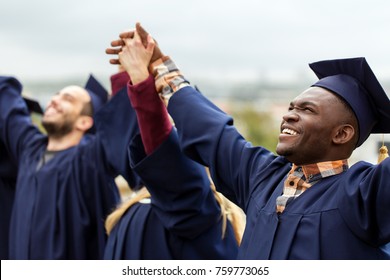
x=50 y=39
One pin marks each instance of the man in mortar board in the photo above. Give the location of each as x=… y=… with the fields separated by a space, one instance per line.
x=307 y=202
x=65 y=186
x=8 y=174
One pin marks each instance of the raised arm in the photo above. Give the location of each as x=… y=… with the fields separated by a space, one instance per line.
x=152 y=117
x=16 y=128
x=206 y=133
x=180 y=188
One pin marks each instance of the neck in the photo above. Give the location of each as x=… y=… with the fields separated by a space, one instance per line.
x=58 y=143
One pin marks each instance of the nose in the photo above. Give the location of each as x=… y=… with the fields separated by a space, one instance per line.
x=291 y=116
x=53 y=101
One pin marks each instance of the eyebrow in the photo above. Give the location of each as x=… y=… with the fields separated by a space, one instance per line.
x=304 y=103
x=68 y=95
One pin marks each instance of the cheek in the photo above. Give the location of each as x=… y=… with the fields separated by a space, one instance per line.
x=70 y=109
x=319 y=137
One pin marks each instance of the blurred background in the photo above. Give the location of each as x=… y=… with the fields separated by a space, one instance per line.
x=250 y=57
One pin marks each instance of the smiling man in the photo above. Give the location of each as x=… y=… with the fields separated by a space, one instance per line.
x=306 y=202
x=65 y=186
x=304 y=127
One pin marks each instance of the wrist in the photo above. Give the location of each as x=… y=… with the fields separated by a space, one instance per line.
x=138 y=76
x=168 y=78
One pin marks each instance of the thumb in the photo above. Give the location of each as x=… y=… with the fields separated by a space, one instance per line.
x=142 y=33
x=151 y=44
x=137 y=36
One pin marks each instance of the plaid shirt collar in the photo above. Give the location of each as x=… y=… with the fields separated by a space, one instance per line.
x=312 y=173
x=300 y=178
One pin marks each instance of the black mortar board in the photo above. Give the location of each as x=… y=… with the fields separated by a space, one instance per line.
x=98 y=93
x=33 y=106
x=353 y=80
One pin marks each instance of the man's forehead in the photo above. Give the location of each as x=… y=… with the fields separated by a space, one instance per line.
x=315 y=93
x=77 y=92
x=316 y=96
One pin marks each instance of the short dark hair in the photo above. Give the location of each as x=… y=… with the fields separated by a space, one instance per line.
x=87 y=109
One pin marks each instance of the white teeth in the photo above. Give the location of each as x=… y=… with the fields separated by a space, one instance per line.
x=50 y=110
x=289 y=131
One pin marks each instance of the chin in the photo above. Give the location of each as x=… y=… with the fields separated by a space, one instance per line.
x=287 y=153
x=280 y=150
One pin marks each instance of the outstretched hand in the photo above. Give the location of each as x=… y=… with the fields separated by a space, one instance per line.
x=157 y=53
x=135 y=56
x=118 y=44
x=116 y=48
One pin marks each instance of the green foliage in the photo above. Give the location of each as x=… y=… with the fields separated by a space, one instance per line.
x=36 y=119
x=256 y=126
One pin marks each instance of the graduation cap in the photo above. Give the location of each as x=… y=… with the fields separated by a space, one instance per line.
x=353 y=80
x=33 y=106
x=98 y=93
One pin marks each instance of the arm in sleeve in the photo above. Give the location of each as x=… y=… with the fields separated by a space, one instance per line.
x=365 y=201
x=179 y=187
x=119 y=81
x=116 y=131
x=17 y=129
x=116 y=125
x=208 y=136
x=152 y=115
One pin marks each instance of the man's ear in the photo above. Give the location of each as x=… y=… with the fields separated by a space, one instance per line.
x=84 y=123
x=343 y=134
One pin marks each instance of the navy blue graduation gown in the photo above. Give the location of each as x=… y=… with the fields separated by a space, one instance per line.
x=183 y=220
x=342 y=217
x=8 y=173
x=59 y=210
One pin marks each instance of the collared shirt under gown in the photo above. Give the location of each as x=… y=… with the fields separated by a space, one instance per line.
x=346 y=216
x=59 y=209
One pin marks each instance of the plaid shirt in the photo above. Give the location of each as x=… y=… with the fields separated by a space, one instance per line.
x=300 y=178
x=167 y=77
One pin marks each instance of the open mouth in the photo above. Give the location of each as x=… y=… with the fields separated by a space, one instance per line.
x=289 y=131
x=51 y=111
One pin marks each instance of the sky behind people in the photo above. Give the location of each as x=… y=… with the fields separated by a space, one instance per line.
x=271 y=40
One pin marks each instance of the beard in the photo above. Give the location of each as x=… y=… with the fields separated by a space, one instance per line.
x=55 y=129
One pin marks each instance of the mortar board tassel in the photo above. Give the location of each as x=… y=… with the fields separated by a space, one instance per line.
x=383 y=152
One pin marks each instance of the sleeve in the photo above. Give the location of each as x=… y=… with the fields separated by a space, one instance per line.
x=152 y=115
x=116 y=125
x=17 y=129
x=119 y=81
x=207 y=135
x=365 y=201
x=179 y=187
